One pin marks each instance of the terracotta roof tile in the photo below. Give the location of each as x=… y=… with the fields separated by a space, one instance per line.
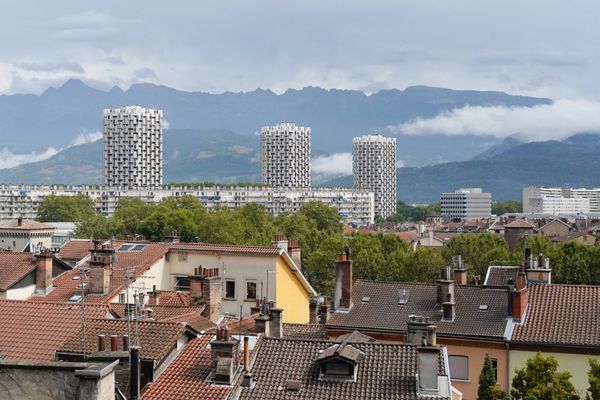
x=75 y=249
x=384 y=313
x=186 y=376
x=136 y=262
x=14 y=267
x=157 y=339
x=222 y=248
x=520 y=223
x=561 y=315
x=34 y=330
x=174 y=298
x=161 y=313
x=26 y=224
x=385 y=371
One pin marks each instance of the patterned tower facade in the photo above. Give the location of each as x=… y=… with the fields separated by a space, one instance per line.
x=374 y=169
x=285 y=156
x=133 y=147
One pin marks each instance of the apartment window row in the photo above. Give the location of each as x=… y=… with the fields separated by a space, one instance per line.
x=230 y=290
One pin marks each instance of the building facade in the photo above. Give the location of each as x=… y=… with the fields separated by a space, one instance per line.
x=556 y=201
x=374 y=169
x=285 y=156
x=466 y=204
x=133 y=147
x=355 y=206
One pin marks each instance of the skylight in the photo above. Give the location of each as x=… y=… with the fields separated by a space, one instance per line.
x=75 y=298
x=483 y=307
x=126 y=247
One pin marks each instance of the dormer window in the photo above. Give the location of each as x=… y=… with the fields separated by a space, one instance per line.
x=339 y=363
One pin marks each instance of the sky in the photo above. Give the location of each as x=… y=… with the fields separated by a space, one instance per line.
x=545 y=48
x=542 y=48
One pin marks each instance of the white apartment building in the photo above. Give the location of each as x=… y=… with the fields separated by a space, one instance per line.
x=374 y=169
x=547 y=200
x=466 y=204
x=355 y=206
x=133 y=147
x=285 y=156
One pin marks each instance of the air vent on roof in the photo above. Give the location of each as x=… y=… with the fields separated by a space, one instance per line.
x=483 y=307
x=82 y=285
x=75 y=298
x=403 y=296
x=366 y=299
x=76 y=277
x=293 y=385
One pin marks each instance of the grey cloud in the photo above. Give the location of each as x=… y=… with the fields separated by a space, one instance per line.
x=145 y=73
x=114 y=60
x=68 y=66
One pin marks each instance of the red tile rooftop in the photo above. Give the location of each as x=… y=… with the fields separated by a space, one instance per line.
x=33 y=330
x=222 y=248
x=14 y=267
x=26 y=224
x=174 y=298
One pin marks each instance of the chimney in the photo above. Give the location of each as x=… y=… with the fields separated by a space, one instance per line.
x=280 y=242
x=313 y=310
x=445 y=287
x=448 y=311
x=518 y=303
x=325 y=311
x=420 y=331
x=173 y=238
x=43 y=273
x=460 y=273
x=225 y=357
x=154 y=297
x=295 y=252
x=101 y=258
x=262 y=325
x=541 y=273
x=248 y=381
x=101 y=342
x=125 y=342
x=342 y=292
x=134 y=373
x=196 y=292
x=427 y=370
x=276 y=323
x=211 y=292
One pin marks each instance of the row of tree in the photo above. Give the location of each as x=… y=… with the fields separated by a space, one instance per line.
x=538 y=380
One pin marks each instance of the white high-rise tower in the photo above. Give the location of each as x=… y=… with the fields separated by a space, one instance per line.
x=374 y=169
x=133 y=147
x=285 y=156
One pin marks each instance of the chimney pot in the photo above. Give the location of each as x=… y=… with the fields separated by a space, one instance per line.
x=101 y=342
x=276 y=323
x=125 y=342
x=114 y=343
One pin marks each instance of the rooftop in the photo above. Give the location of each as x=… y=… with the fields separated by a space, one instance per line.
x=561 y=315
x=26 y=224
x=222 y=248
x=75 y=249
x=520 y=223
x=383 y=311
x=191 y=315
x=498 y=276
x=14 y=267
x=34 y=330
x=305 y=331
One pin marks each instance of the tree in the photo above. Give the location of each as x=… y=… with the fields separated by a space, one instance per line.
x=478 y=251
x=99 y=227
x=488 y=388
x=131 y=211
x=508 y=206
x=65 y=208
x=593 y=392
x=326 y=217
x=539 y=380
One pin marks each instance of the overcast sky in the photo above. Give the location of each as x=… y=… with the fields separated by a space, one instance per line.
x=535 y=47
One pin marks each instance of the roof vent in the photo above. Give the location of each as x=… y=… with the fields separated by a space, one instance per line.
x=483 y=307
x=366 y=300
x=403 y=296
x=293 y=385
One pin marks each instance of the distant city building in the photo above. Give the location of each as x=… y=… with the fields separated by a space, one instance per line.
x=25 y=235
x=354 y=206
x=285 y=156
x=133 y=147
x=556 y=201
x=466 y=204
x=374 y=169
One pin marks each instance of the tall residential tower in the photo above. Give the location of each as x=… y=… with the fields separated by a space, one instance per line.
x=133 y=147
x=285 y=156
x=374 y=169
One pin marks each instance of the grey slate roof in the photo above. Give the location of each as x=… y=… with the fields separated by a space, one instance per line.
x=386 y=371
x=499 y=276
x=384 y=313
x=305 y=331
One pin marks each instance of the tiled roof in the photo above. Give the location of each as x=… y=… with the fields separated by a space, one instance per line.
x=186 y=376
x=575 y=235
x=136 y=262
x=161 y=313
x=498 y=276
x=14 y=267
x=33 y=330
x=355 y=337
x=223 y=248
x=174 y=298
x=561 y=315
x=385 y=371
x=305 y=331
x=520 y=223
x=383 y=312
x=157 y=339
x=75 y=249
x=26 y=224
x=408 y=236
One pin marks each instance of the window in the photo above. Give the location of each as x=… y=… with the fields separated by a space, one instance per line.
x=121 y=297
x=182 y=283
x=495 y=366
x=337 y=369
x=459 y=367
x=230 y=289
x=182 y=256
x=250 y=290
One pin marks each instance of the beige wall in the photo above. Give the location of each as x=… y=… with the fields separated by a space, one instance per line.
x=154 y=276
x=17 y=240
x=576 y=364
x=554 y=229
x=20 y=293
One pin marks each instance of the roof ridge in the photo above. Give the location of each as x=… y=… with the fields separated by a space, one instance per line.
x=143 y=321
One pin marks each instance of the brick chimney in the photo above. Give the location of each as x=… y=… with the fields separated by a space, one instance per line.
x=295 y=252
x=225 y=357
x=420 y=331
x=276 y=323
x=342 y=291
x=43 y=273
x=518 y=303
x=313 y=310
x=540 y=272
x=196 y=292
x=460 y=273
x=262 y=325
x=173 y=238
x=211 y=292
x=325 y=311
x=101 y=258
x=445 y=287
x=280 y=242
x=154 y=297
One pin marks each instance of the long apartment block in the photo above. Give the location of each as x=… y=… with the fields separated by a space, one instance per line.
x=354 y=205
